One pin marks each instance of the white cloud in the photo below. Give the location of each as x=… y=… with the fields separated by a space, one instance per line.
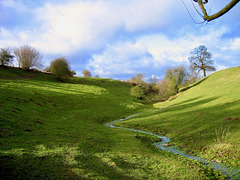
x=7 y=38
x=142 y=14
x=221 y=67
x=82 y=25
x=235 y=44
x=123 y=36
x=120 y=59
x=177 y=50
x=152 y=53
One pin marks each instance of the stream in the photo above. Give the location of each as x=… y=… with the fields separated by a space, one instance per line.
x=231 y=173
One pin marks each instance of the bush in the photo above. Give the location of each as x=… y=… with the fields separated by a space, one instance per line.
x=138 y=91
x=60 y=68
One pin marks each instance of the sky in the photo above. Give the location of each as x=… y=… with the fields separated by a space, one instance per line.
x=120 y=38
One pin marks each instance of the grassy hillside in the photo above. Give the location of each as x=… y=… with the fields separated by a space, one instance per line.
x=204 y=119
x=54 y=130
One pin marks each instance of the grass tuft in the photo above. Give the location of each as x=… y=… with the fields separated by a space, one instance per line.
x=222 y=135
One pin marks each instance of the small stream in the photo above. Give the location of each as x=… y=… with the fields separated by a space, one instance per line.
x=231 y=173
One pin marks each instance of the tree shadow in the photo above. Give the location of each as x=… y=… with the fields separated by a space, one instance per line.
x=29 y=166
x=95 y=166
x=193 y=85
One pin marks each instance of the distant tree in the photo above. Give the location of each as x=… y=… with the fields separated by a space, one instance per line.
x=97 y=76
x=201 y=60
x=60 y=68
x=73 y=73
x=47 y=69
x=138 y=79
x=6 y=57
x=163 y=87
x=138 y=91
x=28 y=57
x=192 y=77
x=176 y=77
x=224 y=10
x=86 y=73
x=153 y=80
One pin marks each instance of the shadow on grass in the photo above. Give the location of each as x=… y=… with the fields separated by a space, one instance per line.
x=193 y=85
x=188 y=122
x=28 y=166
x=95 y=166
x=191 y=103
x=200 y=124
x=180 y=106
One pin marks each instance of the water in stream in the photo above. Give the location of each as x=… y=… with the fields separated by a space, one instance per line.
x=231 y=173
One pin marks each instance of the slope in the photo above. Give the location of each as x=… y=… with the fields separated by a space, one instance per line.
x=204 y=119
x=54 y=130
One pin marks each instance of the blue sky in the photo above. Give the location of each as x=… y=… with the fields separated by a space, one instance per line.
x=120 y=38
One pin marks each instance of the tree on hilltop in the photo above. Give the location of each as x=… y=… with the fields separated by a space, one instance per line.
x=60 y=68
x=138 y=79
x=28 y=57
x=201 y=60
x=86 y=73
x=6 y=57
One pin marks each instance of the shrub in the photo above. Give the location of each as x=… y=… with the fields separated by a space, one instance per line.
x=138 y=91
x=60 y=68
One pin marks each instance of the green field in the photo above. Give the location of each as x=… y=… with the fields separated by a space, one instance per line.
x=204 y=119
x=55 y=130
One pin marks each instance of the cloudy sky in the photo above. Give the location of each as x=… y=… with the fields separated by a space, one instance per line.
x=120 y=38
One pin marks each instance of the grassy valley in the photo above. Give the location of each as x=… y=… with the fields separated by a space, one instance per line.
x=204 y=118
x=55 y=130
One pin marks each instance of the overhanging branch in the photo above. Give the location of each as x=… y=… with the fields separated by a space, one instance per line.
x=208 y=18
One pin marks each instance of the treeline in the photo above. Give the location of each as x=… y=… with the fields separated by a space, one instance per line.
x=159 y=90
x=30 y=58
x=175 y=78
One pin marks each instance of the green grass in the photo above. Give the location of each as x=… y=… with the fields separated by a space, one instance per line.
x=55 y=130
x=205 y=119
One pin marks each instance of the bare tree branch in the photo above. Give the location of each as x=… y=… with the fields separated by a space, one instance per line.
x=207 y=17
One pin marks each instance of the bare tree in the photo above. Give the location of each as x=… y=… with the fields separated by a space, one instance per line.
x=224 y=10
x=153 y=79
x=6 y=57
x=201 y=60
x=138 y=79
x=86 y=73
x=28 y=57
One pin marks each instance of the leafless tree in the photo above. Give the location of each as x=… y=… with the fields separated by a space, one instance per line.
x=28 y=57
x=201 y=60
x=86 y=73
x=138 y=79
x=224 y=10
